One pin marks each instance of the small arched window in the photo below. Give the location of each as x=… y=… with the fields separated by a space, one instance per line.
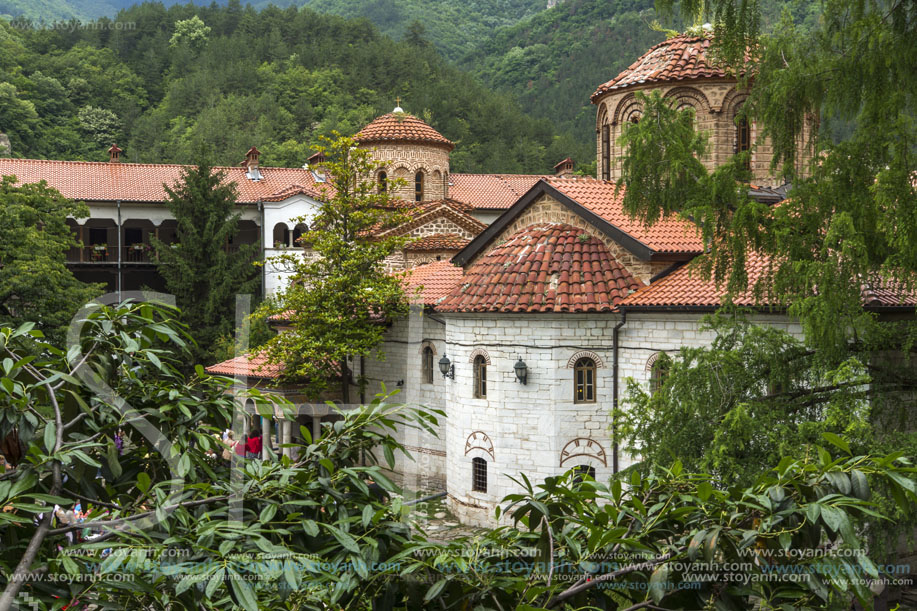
x=606 y=152
x=659 y=371
x=478 y=474
x=743 y=138
x=580 y=472
x=584 y=381
x=418 y=186
x=383 y=182
x=427 y=365
x=480 y=377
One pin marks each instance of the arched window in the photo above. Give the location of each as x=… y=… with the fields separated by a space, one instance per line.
x=418 y=186
x=743 y=135
x=606 y=152
x=584 y=381
x=281 y=235
x=581 y=471
x=478 y=474
x=427 y=365
x=659 y=371
x=298 y=232
x=383 y=182
x=480 y=377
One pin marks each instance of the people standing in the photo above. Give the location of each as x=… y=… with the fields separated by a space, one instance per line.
x=254 y=444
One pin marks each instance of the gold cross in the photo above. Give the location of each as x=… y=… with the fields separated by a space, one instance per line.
x=397 y=101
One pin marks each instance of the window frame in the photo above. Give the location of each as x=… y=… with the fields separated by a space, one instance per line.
x=478 y=475
x=659 y=371
x=580 y=470
x=480 y=377
x=586 y=367
x=606 y=151
x=426 y=365
x=418 y=186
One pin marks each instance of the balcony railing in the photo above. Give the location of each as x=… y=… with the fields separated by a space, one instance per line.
x=134 y=253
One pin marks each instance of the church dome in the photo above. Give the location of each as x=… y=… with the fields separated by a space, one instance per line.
x=680 y=58
x=401 y=127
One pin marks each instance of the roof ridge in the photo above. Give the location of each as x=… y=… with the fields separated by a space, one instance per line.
x=123 y=164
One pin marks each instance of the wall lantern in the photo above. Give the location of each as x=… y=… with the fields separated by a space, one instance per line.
x=522 y=371
x=446 y=367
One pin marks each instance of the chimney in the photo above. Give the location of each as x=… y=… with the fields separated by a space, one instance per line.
x=251 y=164
x=114 y=154
x=564 y=168
x=317 y=165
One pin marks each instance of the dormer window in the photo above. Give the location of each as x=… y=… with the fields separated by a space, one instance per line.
x=383 y=182
x=418 y=186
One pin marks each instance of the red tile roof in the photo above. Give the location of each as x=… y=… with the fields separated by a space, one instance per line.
x=431 y=283
x=668 y=235
x=543 y=268
x=255 y=366
x=490 y=191
x=143 y=182
x=400 y=127
x=679 y=58
x=438 y=241
x=298 y=189
x=685 y=287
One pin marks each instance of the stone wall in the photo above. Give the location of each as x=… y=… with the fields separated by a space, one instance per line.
x=404 y=341
x=716 y=103
x=548 y=210
x=404 y=160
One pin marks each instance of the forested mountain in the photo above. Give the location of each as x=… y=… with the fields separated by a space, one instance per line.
x=456 y=28
x=554 y=61
x=187 y=78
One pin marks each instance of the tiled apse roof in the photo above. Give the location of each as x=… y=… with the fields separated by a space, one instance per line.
x=430 y=283
x=679 y=58
x=255 y=366
x=400 y=127
x=543 y=268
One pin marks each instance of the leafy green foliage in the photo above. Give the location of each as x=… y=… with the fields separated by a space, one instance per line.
x=755 y=395
x=35 y=283
x=848 y=228
x=339 y=298
x=314 y=529
x=202 y=269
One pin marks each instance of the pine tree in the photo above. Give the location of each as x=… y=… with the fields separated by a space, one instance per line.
x=200 y=269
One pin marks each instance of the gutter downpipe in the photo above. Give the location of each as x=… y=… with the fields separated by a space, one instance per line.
x=263 y=253
x=120 y=248
x=614 y=392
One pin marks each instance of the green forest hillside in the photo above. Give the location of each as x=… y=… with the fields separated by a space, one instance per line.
x=227 y=78
x=455 y=28
x=553 y=62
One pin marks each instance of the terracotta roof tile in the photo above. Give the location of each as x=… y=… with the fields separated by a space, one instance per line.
x=141 y=182
x=490 y=191
x=298 y=189
x=255 y=366
x=679 y=58
x=685 y=287
x=668 y=235
x=431 y=283
x=400 y=127
x=439 y=241
x=543 y=268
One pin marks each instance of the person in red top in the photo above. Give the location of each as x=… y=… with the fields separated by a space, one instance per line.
x=253 y=446
x=239 y=446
